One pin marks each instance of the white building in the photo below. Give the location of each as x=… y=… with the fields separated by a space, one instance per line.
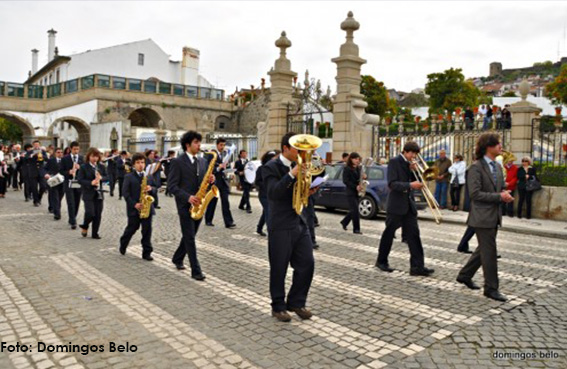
x=139 y=60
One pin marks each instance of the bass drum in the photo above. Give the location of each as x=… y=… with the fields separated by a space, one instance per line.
x=250 y=170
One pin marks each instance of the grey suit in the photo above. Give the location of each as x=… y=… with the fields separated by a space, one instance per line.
x=484 y=217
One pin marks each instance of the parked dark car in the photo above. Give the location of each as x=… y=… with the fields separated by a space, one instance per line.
x=332 y=194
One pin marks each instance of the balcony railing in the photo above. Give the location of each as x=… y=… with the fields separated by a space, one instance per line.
x=37 y=92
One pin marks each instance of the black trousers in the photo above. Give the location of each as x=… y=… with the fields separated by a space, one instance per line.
x=309 y=214
x=353 y=213
x=3 y=182
x=464 y=244
x=226 y=214
x=111 y=182
x=187 y=245
x=485 y=256
x=38 y=186
x=245 y=200
x=73 y=196
x=93 y=214
x=410 y=231
x=508 y=207
x=525 y=196
x=264 y=216
x=456 y=195
x=120 y=184
x=290 y=247
x=56 y=195
x=16 y=178
x=27 y=187
x=134 y=223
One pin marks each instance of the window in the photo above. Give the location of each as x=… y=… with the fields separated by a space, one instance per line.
x=375 y=173
x=57 y=76
x=333 y=170
x=221 y=124
x=140 y=59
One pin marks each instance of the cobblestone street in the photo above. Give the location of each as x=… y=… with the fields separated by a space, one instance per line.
x=60 y=289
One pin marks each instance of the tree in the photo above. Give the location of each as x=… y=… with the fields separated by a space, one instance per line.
x=10 y=131
x=376 y=95
x=509 y=94
x=557 y=90
x=449 y=90
x=413 y=100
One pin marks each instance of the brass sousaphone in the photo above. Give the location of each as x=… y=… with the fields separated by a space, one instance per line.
x=306 y=146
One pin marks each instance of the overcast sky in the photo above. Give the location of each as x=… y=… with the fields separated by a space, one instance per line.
x=402 y=41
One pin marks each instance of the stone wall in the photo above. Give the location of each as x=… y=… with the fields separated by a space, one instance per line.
x=256 y=111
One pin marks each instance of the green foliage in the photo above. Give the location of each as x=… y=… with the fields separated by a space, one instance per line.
x=326 y=102
x=376 y=95
x=449 y=90
x=509 y=94
x=552 y=175
x=484 y=98
x=9 y=131
x=557 y=90
x=414 y=100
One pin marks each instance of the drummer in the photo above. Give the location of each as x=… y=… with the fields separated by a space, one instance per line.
x=56 y=188
x=240 y=165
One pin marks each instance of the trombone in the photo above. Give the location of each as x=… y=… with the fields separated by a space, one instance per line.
x=424 y=174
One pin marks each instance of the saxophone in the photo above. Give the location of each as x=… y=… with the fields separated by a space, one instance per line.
x=145 y=199
x=197 y=211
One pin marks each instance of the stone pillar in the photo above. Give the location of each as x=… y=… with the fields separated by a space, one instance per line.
x=523 y=113
x=126 y=134
x=160 y=133
x=352 y=127
x=281 y=78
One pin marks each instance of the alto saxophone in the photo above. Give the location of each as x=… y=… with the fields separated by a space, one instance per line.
x=145 y=199
x=197 y=211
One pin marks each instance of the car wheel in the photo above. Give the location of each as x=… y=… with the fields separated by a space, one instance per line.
x=367 y=207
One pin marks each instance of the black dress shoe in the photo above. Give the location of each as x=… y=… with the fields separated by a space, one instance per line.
x=180 y=266
x=241 y=208
x=249 y=211
x=316 y=225
x=50 y=211
x=209 y=224
x=57 y=217
x=36 y=204
x=27 y=200
x=425 y=272
x=148 y=258
x=498 y=256
x=261 y=233
x=120 y=198
x=157 y=207
x=465 y=251
x=96 y=237
x=84 y=232
x=231 y=226
x=384 y=268
x=357 y=232
x=469 y=283
x=315 y=245
x=199 y=277
x=495 y=295
x=344 y=226
x=122 y=250
x=111 y=195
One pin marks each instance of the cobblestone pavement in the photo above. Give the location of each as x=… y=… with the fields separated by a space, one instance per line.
x=57 y=288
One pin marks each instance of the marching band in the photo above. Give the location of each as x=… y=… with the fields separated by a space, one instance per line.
x=285 y=184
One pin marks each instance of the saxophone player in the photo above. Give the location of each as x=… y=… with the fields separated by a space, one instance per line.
x=184 y=179
x=133 y=192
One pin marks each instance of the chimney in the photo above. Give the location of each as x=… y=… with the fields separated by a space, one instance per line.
x=34 y=61
x=190 y=66
x=51 y=45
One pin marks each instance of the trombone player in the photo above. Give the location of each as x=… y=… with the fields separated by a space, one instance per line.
x=402 y=212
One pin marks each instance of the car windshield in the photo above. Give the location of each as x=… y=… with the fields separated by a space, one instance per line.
x=332 y=170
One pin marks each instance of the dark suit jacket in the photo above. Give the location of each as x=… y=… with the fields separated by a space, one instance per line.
x=36 y=168
x=400 y=198
x=522 y=176
x=484 y=195
x=279 y=185
x=67 y=164
x=120 y=169
x=85 y=176
x=260 y=184
x=131 y=192
x=220 y=177
x=182 y=181
x=112 y=168
x=239 y=167
x=52 y=168
x=351 y=179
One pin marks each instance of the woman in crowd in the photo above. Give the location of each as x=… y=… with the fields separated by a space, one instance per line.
x=91 y=175
x=351 y=179
x=263 y=193
x=3 y=171
x=525 y=173
x=457 y=170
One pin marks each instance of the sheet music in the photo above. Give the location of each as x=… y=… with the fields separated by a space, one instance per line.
x=319 y=181
x=150 y=169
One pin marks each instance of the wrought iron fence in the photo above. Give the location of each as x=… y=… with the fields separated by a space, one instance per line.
x=242 y=142
x=141 y=144
x=549 y=149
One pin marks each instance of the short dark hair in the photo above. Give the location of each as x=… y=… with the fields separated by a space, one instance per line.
x=169 y=152
x=351 y=157
x=113 y=151
x=285 y=139
x=57 y=149
x=93 y=151
x=221 y=140
x=123 y=152
x=411 y=146
x=28 y=146
x=188 y=138
x=345 y=154
x=269 y=155
x=149 y=151
x=138 y=156
x=34 y=141
x=459 y=156
x=241 y=151
x=485 y=140
x=74 y=144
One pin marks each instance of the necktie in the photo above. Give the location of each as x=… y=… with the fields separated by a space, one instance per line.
x=74 y=158
x=196 y=162
x=140 y=174
x=493 y=165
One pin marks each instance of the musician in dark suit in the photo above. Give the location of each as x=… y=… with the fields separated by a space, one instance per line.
x=25 y=169
x=185 y=178
x=55 y=166
x=239 y=166
x=71 y=164
x=486 y=185
x=131 y=191
x=165 y=165
x=289 y=241
x=263 y=192
x=402 y=212
x=351 y=179
x=121 y=171
x=36 y=159
x=91 y=175
x=155 y=174
x=222 y=183
x=112 y=170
